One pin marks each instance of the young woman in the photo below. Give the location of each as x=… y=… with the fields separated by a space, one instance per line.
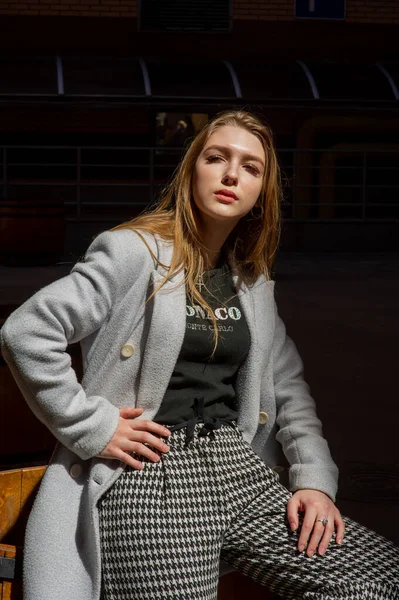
x=191 y=393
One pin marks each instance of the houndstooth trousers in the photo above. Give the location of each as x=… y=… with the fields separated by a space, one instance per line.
x=164 y=529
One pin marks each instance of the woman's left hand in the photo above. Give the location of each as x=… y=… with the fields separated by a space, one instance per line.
x=316 y=505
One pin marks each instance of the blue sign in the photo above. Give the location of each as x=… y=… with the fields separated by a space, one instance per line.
x=320 y=9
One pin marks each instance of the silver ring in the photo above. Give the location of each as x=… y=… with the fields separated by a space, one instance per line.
x=323 y=521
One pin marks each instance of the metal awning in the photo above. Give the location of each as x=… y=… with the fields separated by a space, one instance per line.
x=92 y=77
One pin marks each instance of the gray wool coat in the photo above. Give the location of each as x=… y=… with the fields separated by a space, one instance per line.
x=101 y=304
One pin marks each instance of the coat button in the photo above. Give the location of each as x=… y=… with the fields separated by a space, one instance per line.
x=278 y=469
x=263 y=418
x=75 y=471
x=127 y=350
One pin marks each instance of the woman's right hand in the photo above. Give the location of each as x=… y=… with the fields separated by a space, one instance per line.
x=132 y=435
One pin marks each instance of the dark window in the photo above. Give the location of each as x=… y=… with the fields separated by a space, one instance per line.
x=24 y=75
x=102 y=76
x=320 y=9
x=181 y=15
x=190 y=79
x=274 y=81
x=349 y=81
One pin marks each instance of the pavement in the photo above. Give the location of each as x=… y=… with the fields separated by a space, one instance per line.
x=342 y=311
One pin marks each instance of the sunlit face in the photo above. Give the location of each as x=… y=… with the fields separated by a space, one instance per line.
x=233 y=161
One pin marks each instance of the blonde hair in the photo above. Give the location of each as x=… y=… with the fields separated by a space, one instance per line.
x=253 y=242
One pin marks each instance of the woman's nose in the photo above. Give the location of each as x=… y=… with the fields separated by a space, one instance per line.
x=230 y=175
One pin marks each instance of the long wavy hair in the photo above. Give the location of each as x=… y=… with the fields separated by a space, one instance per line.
x=253 y=242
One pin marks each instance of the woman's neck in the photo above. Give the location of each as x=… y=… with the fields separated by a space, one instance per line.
x=211 y=260
x=213 y=240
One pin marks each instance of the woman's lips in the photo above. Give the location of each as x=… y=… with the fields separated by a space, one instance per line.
x=224 y=198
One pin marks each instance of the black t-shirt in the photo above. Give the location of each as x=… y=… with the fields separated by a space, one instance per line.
x=195 y=373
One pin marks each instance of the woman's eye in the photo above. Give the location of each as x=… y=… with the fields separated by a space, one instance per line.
x=253 y=169
x=213 y=158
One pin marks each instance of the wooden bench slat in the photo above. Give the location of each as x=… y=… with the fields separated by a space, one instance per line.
x=17 y=492
x=10 y=500
x=30 y=480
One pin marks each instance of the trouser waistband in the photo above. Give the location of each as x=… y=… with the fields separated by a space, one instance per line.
x=210 y=424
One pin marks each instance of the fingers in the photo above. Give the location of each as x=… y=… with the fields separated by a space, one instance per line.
x=292 y=513
x=135 y=436
x=143 y=450
x=329 y=530
x=138 y=442
x=318 y=532
x=316 y=507
x=129 y=412
x=144 y=425
x=327 y=535
x=121 y=449
x=340 y=528
x=139 y=438
x=319 y=536
x=128 y=459
x=306 y=529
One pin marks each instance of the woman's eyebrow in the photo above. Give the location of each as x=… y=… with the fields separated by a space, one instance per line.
x=228 y=151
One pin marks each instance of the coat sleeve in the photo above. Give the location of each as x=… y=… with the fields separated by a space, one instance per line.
x=300 y=430
x=35 y=336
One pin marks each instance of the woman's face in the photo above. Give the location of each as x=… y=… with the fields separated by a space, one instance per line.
x=233 y=162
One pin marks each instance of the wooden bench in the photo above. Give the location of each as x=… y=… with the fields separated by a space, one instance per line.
x=17 y=491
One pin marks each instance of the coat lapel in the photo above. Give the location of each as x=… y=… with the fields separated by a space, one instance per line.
x=164 y=339
x=258 y=306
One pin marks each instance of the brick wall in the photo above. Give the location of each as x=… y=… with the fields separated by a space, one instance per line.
x=281 y=10
x=369 y=11
x=71 y=8
x=357 y=11
x=360 y=11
